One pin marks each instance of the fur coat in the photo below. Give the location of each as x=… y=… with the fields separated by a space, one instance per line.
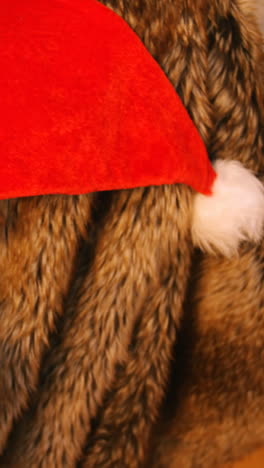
x=120 y=346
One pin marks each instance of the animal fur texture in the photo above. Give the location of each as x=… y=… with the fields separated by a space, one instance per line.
x=121 y=347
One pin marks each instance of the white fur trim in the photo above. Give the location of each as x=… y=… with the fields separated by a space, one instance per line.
x=233 y=213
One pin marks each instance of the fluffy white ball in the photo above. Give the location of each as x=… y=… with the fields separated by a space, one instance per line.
x=232 y=214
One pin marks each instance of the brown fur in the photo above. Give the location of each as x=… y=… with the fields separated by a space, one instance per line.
x=97 y=384
x=38 y=244
x=217 y=394
x=134 y=271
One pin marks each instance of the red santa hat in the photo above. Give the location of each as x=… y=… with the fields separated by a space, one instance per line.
x=84 y=107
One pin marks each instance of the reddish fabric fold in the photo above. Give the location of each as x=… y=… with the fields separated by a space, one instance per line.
x=84 y=107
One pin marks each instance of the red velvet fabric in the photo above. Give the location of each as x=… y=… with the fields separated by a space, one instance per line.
x=84 y=107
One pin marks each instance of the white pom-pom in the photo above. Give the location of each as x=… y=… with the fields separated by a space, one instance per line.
x=233 y=213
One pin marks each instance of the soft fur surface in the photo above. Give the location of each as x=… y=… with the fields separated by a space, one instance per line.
x=122 y=348
x=260 y=13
